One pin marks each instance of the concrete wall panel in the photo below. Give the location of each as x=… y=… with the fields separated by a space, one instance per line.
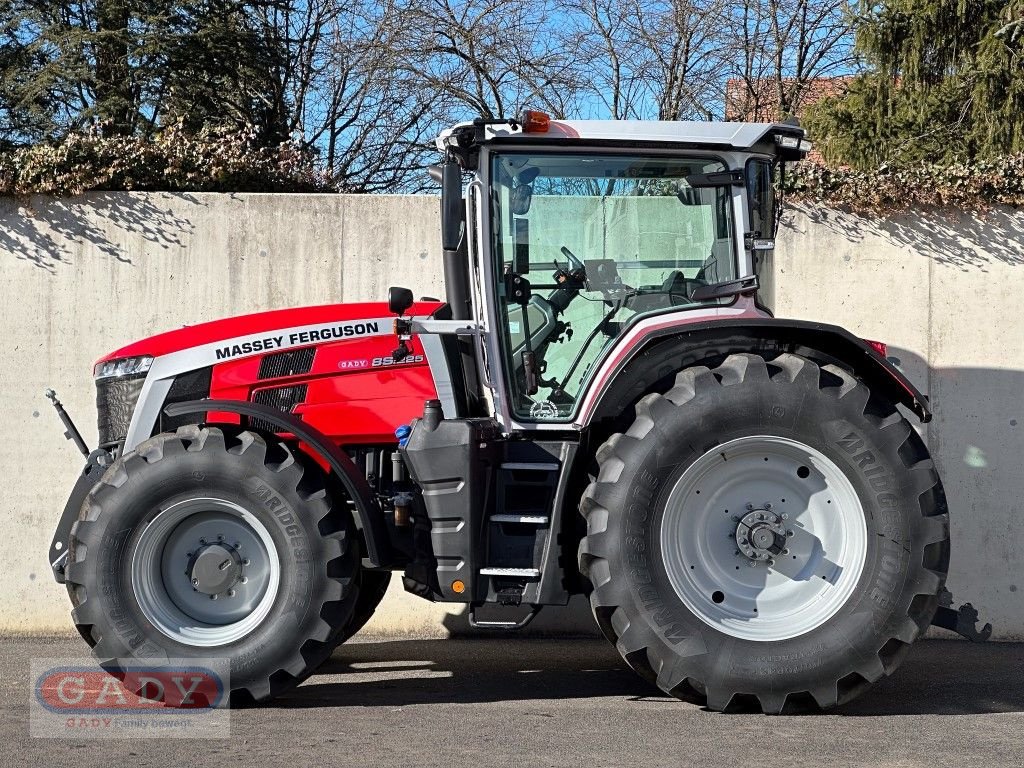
x=84 y=275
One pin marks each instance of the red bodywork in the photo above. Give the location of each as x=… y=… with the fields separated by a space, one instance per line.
x=348 y=398
x=354 y=404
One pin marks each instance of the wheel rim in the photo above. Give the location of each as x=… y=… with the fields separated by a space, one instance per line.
x=764 y=538
x=205 y=572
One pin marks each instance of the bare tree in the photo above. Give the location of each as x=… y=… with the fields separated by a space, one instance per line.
x=489 y=58
x=780 y=48
x=684 y=42
x=342 y=94
x=597 y=32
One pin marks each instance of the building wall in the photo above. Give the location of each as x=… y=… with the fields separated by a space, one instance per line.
x=84 y=275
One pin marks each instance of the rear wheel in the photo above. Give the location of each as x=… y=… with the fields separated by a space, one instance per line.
x=765 y=534
x=200 y=544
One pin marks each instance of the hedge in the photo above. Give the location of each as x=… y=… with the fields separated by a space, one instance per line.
x=231 y=161
x=214 y=160
x=974 y=187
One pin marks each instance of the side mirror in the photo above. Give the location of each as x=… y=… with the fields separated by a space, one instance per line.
x=522 y=197
x=451 y=206
x=399 y=300
x=522 y=192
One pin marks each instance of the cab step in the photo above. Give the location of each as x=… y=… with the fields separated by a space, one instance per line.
x=526 y=519
x=512 y=573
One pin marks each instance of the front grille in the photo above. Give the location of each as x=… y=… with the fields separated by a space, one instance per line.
x=115 y=403
x=291 y=363
x=283 y=398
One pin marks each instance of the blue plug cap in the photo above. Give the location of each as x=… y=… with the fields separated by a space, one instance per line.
x=402 y=433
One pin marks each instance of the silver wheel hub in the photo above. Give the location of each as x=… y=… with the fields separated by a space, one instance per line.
x=763 y=538
x=214 y=569
x=205 y=571
x=760 y=534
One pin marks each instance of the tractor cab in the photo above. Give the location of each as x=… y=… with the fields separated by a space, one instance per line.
x=569 y=235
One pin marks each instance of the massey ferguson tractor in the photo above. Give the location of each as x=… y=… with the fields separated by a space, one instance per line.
x=603 y=404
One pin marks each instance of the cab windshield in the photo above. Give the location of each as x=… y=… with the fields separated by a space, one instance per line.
x=601 y=240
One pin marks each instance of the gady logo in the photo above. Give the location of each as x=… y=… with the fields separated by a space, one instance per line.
x=73 y=690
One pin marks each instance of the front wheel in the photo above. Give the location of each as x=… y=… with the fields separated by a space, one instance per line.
x=766 y=533
x=203 y=543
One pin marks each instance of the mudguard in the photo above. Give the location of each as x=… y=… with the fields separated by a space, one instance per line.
x=821 y=340
x=371 y=519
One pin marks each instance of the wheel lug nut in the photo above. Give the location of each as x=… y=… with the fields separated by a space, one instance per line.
x=785 y=516
x=244 y=579
x=749 y=505
x=246 y=561
x=789 y=533
x=771 y=563
x=202 y=541
x=213 y=597
x=767 y=505
x=195 y=582
x=231 y=593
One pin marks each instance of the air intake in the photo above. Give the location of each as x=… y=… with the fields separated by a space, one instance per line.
x=294 y=362
x=282 y=398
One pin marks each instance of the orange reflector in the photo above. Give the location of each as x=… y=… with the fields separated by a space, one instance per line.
x=458 y=587
x=878 y=346
x=535 y=122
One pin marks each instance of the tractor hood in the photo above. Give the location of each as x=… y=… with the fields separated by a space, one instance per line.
x=192 y=336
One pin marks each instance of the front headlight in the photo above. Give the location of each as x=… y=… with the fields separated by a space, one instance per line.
x=126 y=366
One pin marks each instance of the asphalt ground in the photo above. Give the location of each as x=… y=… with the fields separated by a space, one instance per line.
x=532 y=702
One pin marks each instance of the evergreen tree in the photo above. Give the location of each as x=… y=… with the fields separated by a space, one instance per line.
x=128 y=67
x=945 y=82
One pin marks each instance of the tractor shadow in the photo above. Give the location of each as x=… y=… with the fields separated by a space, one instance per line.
x=939 y=677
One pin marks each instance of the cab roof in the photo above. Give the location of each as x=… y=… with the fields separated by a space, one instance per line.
x=713 y=134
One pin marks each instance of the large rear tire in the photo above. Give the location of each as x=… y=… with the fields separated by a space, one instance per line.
x=202 y=543
x=766 y=534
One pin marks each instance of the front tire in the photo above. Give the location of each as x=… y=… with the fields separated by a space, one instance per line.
x=767 y=533
x=202 y=543
x=373 y=586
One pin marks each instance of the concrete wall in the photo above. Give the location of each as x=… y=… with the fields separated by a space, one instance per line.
x=84 y=275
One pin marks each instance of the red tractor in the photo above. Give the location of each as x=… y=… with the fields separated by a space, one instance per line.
x=603 y=404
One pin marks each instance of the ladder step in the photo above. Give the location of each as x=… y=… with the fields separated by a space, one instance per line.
x=523 y=573
x=532 y=519
x=537 y=467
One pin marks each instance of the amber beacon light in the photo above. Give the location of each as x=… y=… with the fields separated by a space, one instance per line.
x=535 y=121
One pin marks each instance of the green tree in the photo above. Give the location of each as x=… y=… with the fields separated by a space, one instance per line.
x=131 y=67
x=945 y=82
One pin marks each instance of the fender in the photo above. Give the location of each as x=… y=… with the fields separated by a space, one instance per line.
x=371 y=518
x=726 y=336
